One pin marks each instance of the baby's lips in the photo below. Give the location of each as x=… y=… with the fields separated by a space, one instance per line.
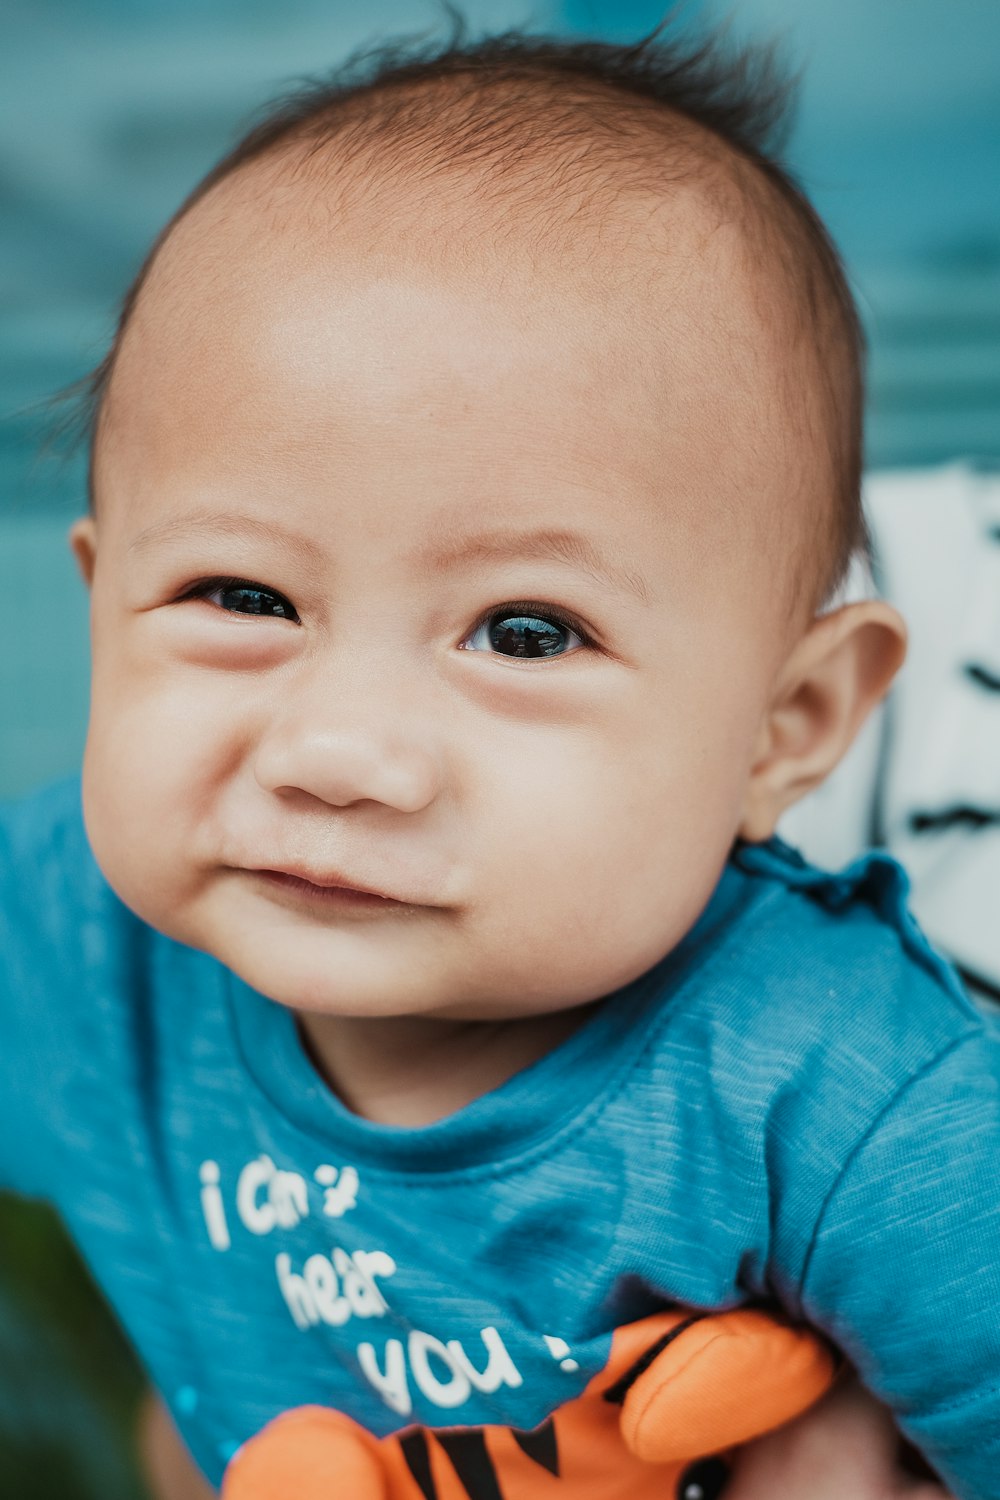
x=331 y=880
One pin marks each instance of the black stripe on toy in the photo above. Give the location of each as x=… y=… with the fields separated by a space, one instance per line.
x=540 y=1444
x=470 y=1458
x=616 y=1393
x=418 y=1461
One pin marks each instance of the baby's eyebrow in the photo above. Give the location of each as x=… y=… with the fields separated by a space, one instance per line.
x=213 y=523
x=551 y=545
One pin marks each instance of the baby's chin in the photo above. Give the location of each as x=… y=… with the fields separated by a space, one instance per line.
x=379 y=970
x=338 y=981
x=373 y=967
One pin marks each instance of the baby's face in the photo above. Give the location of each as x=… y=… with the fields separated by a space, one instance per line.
x=434 y=577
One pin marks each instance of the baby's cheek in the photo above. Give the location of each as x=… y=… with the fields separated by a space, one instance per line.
x=156 y=752
x=612 y=859
x=160 y=725
x=565 y=907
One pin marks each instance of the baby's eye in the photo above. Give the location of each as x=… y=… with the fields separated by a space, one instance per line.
x=241 y=597
x=517 y=631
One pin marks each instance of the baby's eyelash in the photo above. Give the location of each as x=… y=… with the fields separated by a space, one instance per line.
x=206 y=586
x=534 y=609
x=224 y=581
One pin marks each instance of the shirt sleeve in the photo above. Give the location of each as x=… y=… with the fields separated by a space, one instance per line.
x=904 y=1268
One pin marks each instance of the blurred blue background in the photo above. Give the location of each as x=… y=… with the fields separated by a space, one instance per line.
x=113 y=108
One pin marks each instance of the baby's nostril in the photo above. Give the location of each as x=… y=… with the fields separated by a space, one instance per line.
x=704 y=1480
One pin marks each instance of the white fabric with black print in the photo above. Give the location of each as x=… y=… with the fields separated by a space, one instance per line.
x=923 y=780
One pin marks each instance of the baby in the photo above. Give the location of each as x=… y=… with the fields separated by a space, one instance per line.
x=477 y=452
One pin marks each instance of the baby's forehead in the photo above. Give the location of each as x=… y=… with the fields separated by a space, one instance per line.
x=649 y=265
x=623 y=304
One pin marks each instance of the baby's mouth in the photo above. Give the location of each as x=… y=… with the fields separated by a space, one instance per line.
x=332 y=890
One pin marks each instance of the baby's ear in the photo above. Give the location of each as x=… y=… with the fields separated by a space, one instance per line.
x=83 y=545
x=835 y=675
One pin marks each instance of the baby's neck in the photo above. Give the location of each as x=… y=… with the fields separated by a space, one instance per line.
x=413 y=1070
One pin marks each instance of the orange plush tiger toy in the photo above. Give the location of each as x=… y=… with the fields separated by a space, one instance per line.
x=678 y=1391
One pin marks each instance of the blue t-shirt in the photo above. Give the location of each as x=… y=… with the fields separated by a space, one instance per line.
x=797 y=1104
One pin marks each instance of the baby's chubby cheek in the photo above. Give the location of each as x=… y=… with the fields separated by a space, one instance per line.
x=151 y=783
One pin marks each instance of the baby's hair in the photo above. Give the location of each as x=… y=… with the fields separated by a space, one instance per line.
x=543 y=120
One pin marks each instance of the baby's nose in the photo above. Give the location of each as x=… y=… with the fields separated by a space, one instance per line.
x=347 y=752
